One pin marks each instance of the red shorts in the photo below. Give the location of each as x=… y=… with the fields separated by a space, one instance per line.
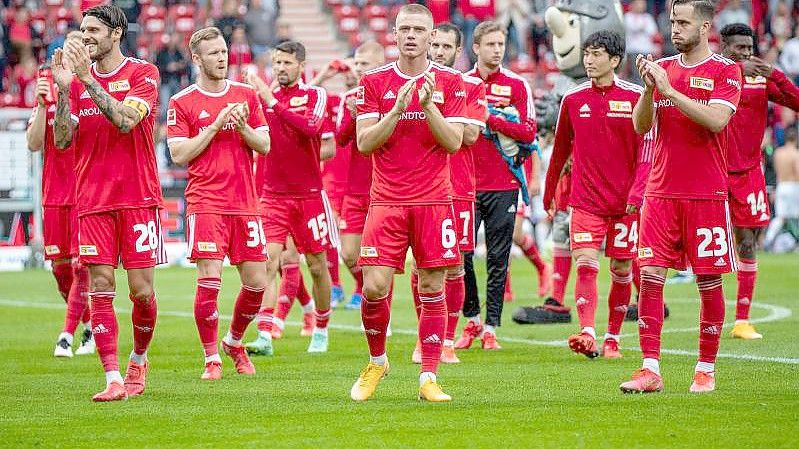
x=60 y=225
x=464 y=224
x=353 y=214
x=214 y=236
x=620 y=233
x=429 y=230
x=676 y=232
x=748 y=200
x=130 y=235
x=309 y=221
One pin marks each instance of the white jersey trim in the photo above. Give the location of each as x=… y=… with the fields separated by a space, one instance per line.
x=367 y=115
x=111 y=73
x=724 y=102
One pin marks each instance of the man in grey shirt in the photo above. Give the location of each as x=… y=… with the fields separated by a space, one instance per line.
x=260 y=20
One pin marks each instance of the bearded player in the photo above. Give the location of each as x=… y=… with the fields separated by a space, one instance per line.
x=410 y=119
x=108 y=109
x=213 y=127
x=689 y=98
x=749 y=206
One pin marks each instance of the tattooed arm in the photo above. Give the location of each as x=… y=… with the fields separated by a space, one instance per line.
x=64 y=126
x=123 y=116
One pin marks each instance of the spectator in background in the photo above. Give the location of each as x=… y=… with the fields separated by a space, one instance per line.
x=172 y=63
x=283 y=33
x=780 y=23
x=21 y=34
x=789 y=59
x=132 y=9
x=25 y=74
x=230 y=19
x=239 y=54
x=640 y=30
x=468 y=14
x=539 y=33
x=3 y=53
x=260 y=21
x=513 y=16
x=733 y=12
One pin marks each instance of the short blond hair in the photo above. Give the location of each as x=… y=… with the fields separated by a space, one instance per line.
x=487 y=27
x=203 y=34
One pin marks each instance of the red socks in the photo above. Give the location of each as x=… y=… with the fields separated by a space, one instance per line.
x=455 y=292
x=206 y=316
x=636 y=275
x=302 y=293
x=289 y=284
x=650 y=314
x=618 y=300
x=105 y=328
x=417 y=303
x=432 y=325
x=332 y=266
x=531 y=252
x=62 y=272
x=747 y=275
x=265 y=319
x=562 y=265
x=375 y=315
x=247 y=304
x=357 y=274
x=322 y=318
x=143 y=317
x=585 y=292
x=711 y=316
x=78 y=301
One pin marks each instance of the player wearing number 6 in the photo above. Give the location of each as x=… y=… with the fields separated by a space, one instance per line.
x=410 y=116
x=107 y=107
x=609 y=169
x=689 y=98
x=214 y=126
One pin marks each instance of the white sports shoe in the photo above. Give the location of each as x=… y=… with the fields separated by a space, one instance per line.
x=63 y=348
x=87 y=345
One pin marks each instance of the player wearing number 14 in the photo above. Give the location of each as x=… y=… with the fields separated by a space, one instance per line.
x=214 y=126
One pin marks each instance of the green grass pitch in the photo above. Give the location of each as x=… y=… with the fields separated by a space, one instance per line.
x=532 y=393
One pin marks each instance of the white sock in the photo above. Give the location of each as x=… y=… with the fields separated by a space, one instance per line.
x=67 y=336
x=705 y=367
x=318 y=330
x=138 y=359
x=475 y=319
x=279 y=323
x=612 y=337
x=449 y=343
x=425 y=376
x=113 y=376
x=230 y=340
x=652 y=365
x=265 y=334
x=379 y=360
x=213 y=358
x=310 y=307
x=490 y=329
x=737 y=322
x=590 y=331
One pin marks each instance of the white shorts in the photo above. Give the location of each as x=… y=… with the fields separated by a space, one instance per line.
x=787 y=200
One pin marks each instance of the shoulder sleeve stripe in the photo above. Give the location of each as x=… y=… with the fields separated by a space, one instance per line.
x=184 y=92
x=321 y=102
x=382 y=68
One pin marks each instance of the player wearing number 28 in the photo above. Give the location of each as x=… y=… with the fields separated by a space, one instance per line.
x=689 y=98
x=609 y=169
x=107 y=107
x=214 y=126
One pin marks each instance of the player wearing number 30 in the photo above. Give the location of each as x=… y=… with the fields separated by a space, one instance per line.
x=609 y=168
x=107 y=108
x=214 y=126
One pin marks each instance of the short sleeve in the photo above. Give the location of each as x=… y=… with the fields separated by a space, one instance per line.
x=143 y=93
x=257 y=119
x=366 y=100
x=178 y=127
x=727 y=87
x=454 y=108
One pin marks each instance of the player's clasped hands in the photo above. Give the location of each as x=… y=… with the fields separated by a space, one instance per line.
x=224 y=116
x=404 y=96
x=78 y=57
x=239 y=115
x=62 y=70
x=426 y=91
x=653 y=74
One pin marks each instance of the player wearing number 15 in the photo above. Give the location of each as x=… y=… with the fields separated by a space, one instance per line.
x=610 y=164
x=108 y=108
x=214 y=126
x=685 y=218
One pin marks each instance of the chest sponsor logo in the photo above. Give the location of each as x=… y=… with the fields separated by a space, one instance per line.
x=390 y=95
x=203 y=114
x=51 y=249
x=368 y=251
x=645 y=253
x=438 y=97
x=582 y=237
x=620 y=106
x=88 y=112
x=206 y=247
x=298 y=101
x=171 y=117
x=359 y=98
x=87 y=250
x=119 y=86
x=701 y=83
x=585 y=110
x=499 y=89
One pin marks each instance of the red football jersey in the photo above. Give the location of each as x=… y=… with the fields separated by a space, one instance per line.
x=462 y=162
x=359 y=168
x=502 y=87
x=334 y=170
x=295 y=126
x=220 y=179
x=411 y=167
x=595 y=128
x=747 y=126
x=58 y=173
x=690 y=161
x=117 y=170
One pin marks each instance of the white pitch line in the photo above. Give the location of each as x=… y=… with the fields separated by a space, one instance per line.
x=351 y=328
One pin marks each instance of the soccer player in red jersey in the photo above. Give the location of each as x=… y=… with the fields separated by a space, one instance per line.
x=293 y=205
x=689 y=98
x=749 y=204
x=355 y=205
x=60 y=217
x=496 y=186
x=108 y=108
x=609 y=168
x=213 y=127
x=411 y=116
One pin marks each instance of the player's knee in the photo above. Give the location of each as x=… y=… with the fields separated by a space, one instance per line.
x=143 y=294
x=652 y=270
x=746 y=247
x=621 y=267
x=350 y=258
x=317 y=265
x=103 y=284
x=375 y=290
x=272 y=265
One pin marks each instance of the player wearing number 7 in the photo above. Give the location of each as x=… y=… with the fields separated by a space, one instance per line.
x=609 y=169
x=214 y=126
x=690 y=98
x=107 y=107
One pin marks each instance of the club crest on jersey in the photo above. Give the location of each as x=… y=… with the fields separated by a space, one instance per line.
x=359 y=98
x=498 y=89
x=87 y=250
x=701 y=83
x=368 y=251
x=438 y=97
x=118 y=86
x=171 y=117
x=298 y=101
x=620 y=106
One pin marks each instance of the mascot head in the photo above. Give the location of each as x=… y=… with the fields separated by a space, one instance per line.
x=571 y=21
